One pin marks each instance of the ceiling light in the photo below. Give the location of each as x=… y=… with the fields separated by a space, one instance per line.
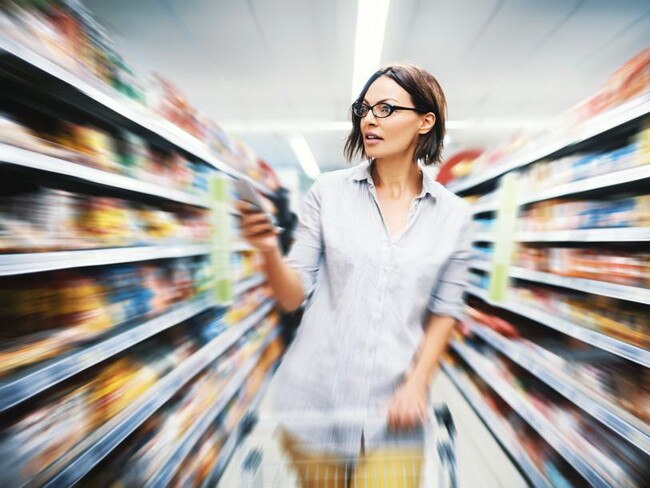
x=371 y=27
x=305 y=157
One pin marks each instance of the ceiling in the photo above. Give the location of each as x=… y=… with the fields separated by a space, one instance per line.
x=266 y=69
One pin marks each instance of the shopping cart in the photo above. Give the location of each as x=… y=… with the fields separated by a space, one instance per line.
x=265 y=462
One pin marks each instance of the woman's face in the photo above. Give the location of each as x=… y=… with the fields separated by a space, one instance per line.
x=397 y=134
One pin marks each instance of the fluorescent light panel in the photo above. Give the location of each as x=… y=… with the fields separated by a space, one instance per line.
x=305 y=157
x=371 y=27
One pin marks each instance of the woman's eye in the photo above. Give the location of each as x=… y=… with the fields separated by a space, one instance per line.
x=384 y=109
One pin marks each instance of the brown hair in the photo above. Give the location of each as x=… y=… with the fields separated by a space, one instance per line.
x=427 y=96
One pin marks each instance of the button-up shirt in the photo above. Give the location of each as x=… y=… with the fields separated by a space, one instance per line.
x=368 y=297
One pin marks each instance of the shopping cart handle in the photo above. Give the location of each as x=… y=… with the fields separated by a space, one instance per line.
x=443 y=416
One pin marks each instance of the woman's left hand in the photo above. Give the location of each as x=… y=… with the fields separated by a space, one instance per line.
x=408 y=407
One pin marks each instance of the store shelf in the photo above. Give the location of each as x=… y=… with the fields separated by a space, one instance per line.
x=16 y=264
x=235 y=437
x=608 y=180
x=601 y=341
x=479 y=208
x=105 y=100
x=14 y=391
x=490 y=419
x=613 y=290
x=84 y=457
x=247 y=283
x=242 y=246
x=484 y=237
x=600 y=124
x=534 y=418
x=24 y=158
x=612 y=416
x=480 y=265
x=163 y=477
x=618 y=234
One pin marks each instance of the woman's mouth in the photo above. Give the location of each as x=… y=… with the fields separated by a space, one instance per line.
x=372 y=139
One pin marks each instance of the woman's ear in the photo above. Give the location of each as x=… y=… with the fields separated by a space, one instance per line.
x=427 y=122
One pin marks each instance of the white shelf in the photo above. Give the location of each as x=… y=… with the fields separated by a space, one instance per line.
x=37 y=379
x=629 y=175
x=508 y=442
x=612 y=416
x=15 y=264
x=242 y=246
x=81 y=459
x=484 y=237
x=170 y=466
x=596 y=339
x=235 y=437
x=480 y=265
x=106 y=98
x=618 y=234
x=534 y=418
x=483 y=208
x=612 y=234
x=613 y=290
x=25 y=158
x=246 y=284
x=598 y=125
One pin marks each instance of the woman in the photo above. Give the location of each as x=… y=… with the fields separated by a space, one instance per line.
x=380 y=258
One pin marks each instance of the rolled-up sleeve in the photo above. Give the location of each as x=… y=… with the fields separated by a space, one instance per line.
x=447 y=296
x=306 y=253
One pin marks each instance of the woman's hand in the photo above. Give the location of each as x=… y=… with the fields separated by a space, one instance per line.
x=256 y=228
x=408 y=407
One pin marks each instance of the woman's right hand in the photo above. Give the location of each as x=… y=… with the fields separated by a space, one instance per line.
x=256 y=228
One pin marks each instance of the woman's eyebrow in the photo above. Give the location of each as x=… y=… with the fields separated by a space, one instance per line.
x=382 y=100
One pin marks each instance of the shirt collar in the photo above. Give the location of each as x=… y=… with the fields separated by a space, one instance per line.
x=429 y=185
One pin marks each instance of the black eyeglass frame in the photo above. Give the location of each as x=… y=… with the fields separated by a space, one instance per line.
x=370 y=108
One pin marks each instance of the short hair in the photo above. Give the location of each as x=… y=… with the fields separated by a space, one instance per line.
x=427 y=95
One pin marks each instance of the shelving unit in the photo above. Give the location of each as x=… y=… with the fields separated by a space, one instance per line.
x=595 y=287
x=25 y=263
x=182 y=448
x=601 y=131
x=36 y=380
x=110 y=105
x=610 y=415
x=555 y=143
x=88 y=454
x=490 y=419
x=593 y=474
x=596 y=339
x=31 y=160
x=80 y=93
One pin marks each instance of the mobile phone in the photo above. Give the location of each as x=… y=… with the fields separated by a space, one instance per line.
x=248 y=194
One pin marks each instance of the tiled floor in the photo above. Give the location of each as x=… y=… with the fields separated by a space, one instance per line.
x=481 y=461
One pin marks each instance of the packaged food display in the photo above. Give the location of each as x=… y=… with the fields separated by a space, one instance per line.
x=66 y=33
x=607 y=376
x=623 y=463
x=69 y=308
x=147 y=449
x=550 y=465
x=616 y=318
x=57 y=423
x=45 y=219
x=569 y=214
x=612 y=266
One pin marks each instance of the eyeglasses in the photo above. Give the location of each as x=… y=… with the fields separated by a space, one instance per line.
x=380 y=110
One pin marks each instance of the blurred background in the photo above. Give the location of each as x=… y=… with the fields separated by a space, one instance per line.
x=137 y=333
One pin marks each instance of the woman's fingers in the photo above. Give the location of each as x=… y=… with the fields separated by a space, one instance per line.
x=253 y=218
x=256 y=230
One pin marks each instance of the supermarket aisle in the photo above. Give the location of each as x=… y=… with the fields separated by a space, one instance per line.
x=481 y=461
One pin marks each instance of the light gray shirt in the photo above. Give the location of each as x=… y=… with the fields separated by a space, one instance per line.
x=368 y=297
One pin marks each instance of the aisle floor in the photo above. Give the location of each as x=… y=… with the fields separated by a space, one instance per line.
x=481 y=461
